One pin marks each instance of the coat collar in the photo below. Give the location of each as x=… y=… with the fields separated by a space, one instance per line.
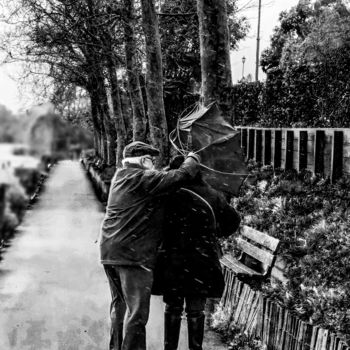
x=133 y=166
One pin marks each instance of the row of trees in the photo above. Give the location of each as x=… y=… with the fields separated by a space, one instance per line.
x=107 y=68
x=307 y=65
x=307 y=70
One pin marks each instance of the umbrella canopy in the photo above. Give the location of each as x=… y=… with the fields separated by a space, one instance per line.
x=206 y=132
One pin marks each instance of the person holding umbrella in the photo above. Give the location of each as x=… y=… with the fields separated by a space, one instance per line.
x=188 y=270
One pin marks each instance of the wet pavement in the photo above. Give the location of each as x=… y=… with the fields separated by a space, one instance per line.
x=53 y=291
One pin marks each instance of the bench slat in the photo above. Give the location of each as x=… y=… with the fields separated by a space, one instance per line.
x=278 y=274
x=264 y=256
x=278 y=270
x=237 y=267
x=262 y=238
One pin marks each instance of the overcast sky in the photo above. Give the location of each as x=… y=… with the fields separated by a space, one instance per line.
x=9 y=95
x=8 y=91
x=269 y=19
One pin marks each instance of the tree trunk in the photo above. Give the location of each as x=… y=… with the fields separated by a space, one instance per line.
x=96 y=63
x=99 y=126
x=105 y=130
x=117 y=109
x=138 y=109
x=109 y=126
x=110 y=133
x=127 y=112
x=97 y=145
x=154 y=80
x=99 y=106
x=104 y=146
x=214 y=50
x=2 y=207
x=111 y=137
x=96 y=126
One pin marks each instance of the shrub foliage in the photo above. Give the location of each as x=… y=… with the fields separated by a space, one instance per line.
x=307 y=68
x=311 y=218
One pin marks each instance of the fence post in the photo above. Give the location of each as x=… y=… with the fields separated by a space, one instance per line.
x=251 y=142
x=258 y=145
x=244 y=140
x=337 y=156
x=289 y=150
x=267 y=147
x=302 y=150
x=277 y=153
x=319 y=151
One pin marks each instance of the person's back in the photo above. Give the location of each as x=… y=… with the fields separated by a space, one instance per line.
x=196 y=216
x=188 y=267
x=131 y=230
x=132 y=227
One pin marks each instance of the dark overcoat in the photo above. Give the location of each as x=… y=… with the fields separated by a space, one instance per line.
x=131 y=231
x=188 y=263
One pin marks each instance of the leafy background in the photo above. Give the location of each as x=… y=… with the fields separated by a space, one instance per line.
x=311 y=217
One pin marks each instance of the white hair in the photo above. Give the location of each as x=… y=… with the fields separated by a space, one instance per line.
x=132 y=160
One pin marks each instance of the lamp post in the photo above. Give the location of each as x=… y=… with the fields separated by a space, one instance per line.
x=258 y=45
x=243 y=61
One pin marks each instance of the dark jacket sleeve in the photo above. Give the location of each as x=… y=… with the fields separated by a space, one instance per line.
x=227 y=218
x=161 y=182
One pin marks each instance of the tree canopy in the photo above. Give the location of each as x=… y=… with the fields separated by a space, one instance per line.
x=307 y=65
x=89 y=58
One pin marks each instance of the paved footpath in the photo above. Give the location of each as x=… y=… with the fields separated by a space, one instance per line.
x=53 y=291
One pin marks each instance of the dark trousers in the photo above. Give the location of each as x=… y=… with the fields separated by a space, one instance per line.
x=131 y=292
x=194 y=308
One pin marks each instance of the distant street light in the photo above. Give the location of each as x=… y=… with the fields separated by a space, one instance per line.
x=243 y=61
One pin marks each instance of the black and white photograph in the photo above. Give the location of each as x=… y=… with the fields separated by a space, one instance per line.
x=174 y=174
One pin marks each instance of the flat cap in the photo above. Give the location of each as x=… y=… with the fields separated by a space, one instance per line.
x=138 y=149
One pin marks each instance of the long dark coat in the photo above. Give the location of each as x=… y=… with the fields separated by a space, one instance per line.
x=188 y=263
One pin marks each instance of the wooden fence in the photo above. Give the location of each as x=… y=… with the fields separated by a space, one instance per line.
x=276 y=326
x=322 y=151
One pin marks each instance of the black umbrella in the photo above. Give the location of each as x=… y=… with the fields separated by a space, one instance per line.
x=206 y=132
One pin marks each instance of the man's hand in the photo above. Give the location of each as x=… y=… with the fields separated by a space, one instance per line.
x=195 y=156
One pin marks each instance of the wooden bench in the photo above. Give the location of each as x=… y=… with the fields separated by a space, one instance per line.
x=257 y=254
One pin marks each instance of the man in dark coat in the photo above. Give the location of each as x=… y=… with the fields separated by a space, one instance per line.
x=130 y=237
x=188 y=268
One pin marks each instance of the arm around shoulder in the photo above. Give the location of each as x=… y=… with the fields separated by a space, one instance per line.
x=165 y=181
